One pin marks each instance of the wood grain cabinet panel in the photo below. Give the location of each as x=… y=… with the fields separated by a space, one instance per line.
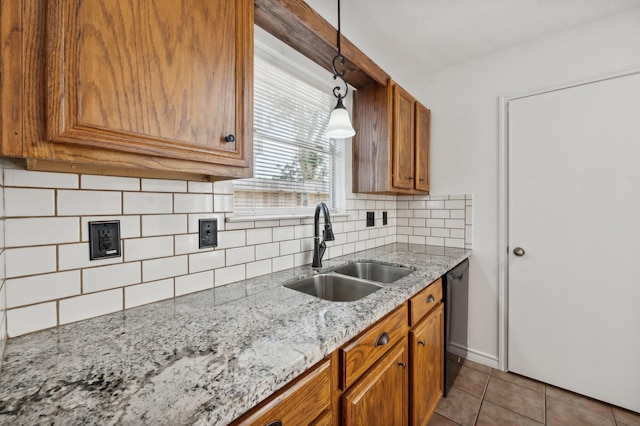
x=392 y=141
x=380 y=397
x=306 y=401
x=149 y=84
x=426 y=343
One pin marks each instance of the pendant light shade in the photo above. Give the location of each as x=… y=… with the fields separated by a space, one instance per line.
x=339 y=122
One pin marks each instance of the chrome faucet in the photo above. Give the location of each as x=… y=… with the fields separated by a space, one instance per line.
x=319 y=247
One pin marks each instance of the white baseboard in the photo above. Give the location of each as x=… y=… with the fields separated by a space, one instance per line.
x=474 y=355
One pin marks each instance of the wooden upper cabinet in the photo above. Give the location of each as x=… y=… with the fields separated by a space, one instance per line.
x=403 y=139
x=391 y=145
x=151 y=84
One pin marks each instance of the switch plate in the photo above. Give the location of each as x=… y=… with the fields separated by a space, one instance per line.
x=104 y=239
x=371 y=219
x=384 y=218
x=208 y=233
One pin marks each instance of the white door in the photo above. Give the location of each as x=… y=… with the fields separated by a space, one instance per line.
x=574 y=208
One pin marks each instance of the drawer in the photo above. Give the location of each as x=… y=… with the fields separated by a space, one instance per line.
x=359 y=355
x=305 y=401
x=422 y=303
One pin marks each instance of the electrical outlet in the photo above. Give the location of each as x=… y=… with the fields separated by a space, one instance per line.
x=208 y=233
x=385 y=220
x=104 y=239
x=371 y=219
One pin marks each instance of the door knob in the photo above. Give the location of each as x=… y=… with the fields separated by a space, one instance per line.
x=518 y=251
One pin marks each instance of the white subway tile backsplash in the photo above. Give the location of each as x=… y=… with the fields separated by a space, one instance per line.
x=30 y=261
x=281 y=263
x=435 y=223
x=457 y=214
x=76 y=256
x=452 y=242
x=454 y=223
x=258 y=268
x=26 y=178
x=283 y=233
x=188 y=243
x=194 y=282
x=417 y=222
x=147 y=248
x=81 y=202
x=240 y=225
x=42 y=288
x=433 y=204
x=89 y=306
x=303 y=258
x=29 y=202
x=147 y=203
x=166 y=224
x=230 y=239
x=142 y=294
x=223 y=202
x=440 y=214
x=223 y=187
x=112 y=276
x=457 y=233
x=440 y=232
x=205 y=261
x=31 y=318
x=109 y=183
x=289 y=247
x=41 y=231
x=157 y=269
x=203 y=187
x=454 y=204
x=259 y=236
x=228 y=275
x=240 y=255
x=192 y=203
x=160 y=185
x=267 y=251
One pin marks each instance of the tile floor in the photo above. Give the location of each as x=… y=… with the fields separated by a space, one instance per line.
x=481 y=395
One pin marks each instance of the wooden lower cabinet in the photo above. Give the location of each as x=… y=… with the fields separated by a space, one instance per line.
x=380 y=397
x=306 y=401
x=426 y=341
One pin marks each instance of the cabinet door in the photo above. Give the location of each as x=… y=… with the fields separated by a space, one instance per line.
x=163 y=78
x=426 y=347
x=380 y=396
x=403 y=139
x=423 y=129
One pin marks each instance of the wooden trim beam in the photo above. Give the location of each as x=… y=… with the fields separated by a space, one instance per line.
x=295 y=23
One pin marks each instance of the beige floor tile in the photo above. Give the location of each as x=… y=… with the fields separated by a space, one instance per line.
x=597 y=407
x=518 y=380
x=564 y=414
x=438 y=420
x=626 y=417
x=493 y=415
x=477 y=366
x=460 y=407
x=516 y=398
x=471 y=381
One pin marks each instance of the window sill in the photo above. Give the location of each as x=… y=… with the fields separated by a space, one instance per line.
x=241 y=218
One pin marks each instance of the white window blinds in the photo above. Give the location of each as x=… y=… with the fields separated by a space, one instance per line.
x=294 y=162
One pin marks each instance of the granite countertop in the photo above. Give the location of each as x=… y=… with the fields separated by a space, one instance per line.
x=205 y=358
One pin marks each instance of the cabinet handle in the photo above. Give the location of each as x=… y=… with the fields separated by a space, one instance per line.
x=232 y=138
x=421 y=180
x=420 y=342
x=275 y=423
x=383 y=339
x=411 y=178
x=402 y=364
x=431 y=299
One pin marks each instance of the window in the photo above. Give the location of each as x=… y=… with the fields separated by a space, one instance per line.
x=295 y=164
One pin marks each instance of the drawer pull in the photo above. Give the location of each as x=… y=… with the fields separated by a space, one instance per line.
x=232 y=138
x=275 y=423
x=402 y=364
x=431 y=299
x=420 y=342
x=383 y=339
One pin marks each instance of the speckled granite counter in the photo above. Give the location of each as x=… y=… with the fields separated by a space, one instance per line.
x=203 y=358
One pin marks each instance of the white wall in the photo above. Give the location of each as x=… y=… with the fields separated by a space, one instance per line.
x=464 y=107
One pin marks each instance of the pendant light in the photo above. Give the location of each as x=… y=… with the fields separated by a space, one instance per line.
x=339 y=122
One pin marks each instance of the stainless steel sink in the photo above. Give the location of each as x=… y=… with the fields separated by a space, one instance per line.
x=374 y=271
x=337 y=288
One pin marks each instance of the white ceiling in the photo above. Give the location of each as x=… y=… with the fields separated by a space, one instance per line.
x=413 y=37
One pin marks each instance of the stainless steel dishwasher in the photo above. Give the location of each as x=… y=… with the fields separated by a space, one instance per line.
x=455 y=289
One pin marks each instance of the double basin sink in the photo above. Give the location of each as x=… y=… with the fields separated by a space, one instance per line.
x=350 y=282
